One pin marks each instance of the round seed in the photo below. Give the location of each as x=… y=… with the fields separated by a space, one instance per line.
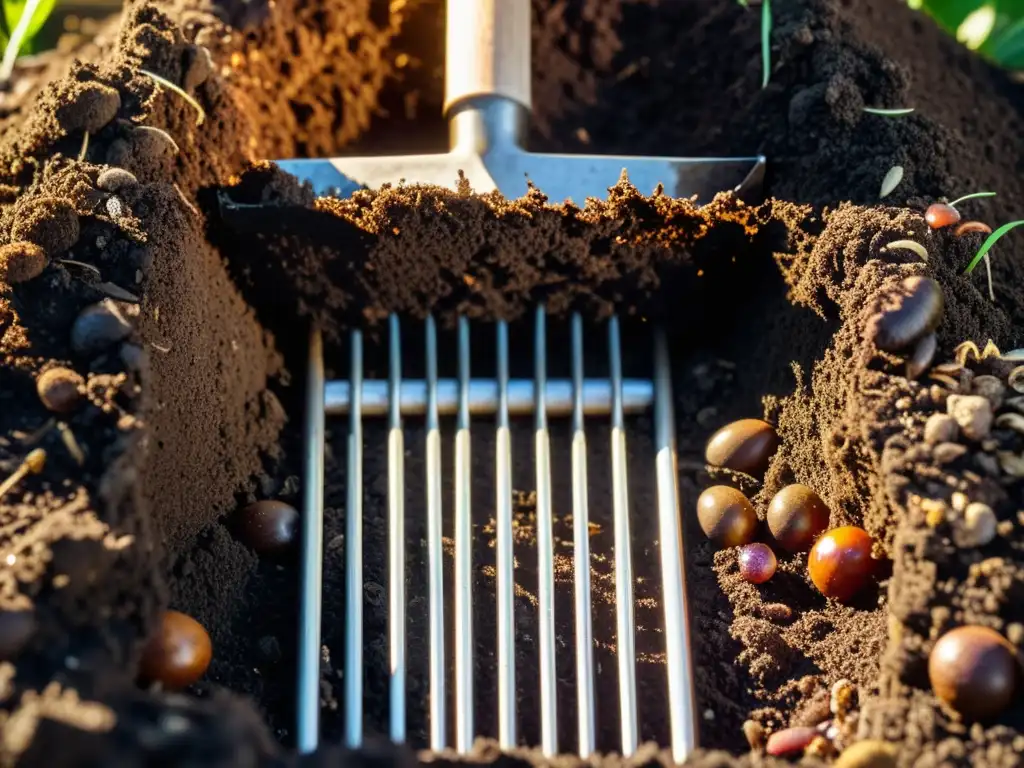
x=916 y=310
x=939 y=215
x=726 y=516
x=757 y=563
x=974 y=670
x=268 y=526
x=744 y=446
x=178 y=653
x=921 y=357
x=60 y=389
x=796 y=517
x=840 y=563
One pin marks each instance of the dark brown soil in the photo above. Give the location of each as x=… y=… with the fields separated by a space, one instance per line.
x=765 y=305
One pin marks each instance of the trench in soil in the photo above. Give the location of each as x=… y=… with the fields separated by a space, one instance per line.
x=721 y=370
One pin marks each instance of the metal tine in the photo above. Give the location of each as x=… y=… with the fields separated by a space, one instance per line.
x=506 y=593
x=435 y=575
x=308 y=726
x=354 y=555
x=463 y=556
x=545 y=545
x=396 y=534
x=682 y=696
x=625 y=622
x=581 y=552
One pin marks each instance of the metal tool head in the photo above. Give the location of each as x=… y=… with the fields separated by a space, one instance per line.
x=487 y=149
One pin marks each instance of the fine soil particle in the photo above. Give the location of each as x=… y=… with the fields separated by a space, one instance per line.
x=766 y=308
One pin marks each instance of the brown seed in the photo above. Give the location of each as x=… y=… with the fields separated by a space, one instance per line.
x=744 y=446
x=178 y=653
x=939 y=215
x=21 y=261
x=791 y=740
x=16 y=629
x=796 y=517
x=972 y=226
x=726 y=516
x=974 y=670
x=870 y=753
x=922 y=355
x=60 y=389
x=912 y=312
x=268 y=526
x=757 y=562
x=840 y=563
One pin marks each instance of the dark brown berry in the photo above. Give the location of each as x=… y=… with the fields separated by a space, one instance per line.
x=913 y=311
x=796 y=517
x=975 y=671
x=939 y=215
x=840 y=563
x=178 y=653
x=16 y=629
x=744 y=446
x=726 y=516
x=60 y=389
x=268 y=526
x=21 y=261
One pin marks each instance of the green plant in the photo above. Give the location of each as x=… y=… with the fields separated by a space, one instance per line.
x=989 y=242
x=993 y=28
x=20 y=22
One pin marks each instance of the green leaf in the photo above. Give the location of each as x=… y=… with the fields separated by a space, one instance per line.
x=972 y=196
x=766 y=42
x=14 y=8
x=989 y=242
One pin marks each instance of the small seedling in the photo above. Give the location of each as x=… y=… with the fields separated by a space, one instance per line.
x=21 y=22
x=85 y=147
x=907 y=245
x=900 y=112
x=200 y=112
x=891 y=181
x=991 y=240
x=972 y=196
x=68 y=438
x=766 y=42
x=33 y=464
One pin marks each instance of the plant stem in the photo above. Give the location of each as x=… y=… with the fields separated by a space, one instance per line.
x=17 y=40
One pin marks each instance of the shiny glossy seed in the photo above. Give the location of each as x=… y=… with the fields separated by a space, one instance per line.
x=757 y=563
x=913 y=311
x=939 y=215
x=922 y=355
x=972 y=226
x=975 y=671
x=60 y=389
x=178 y=653
x=744 y=446
x=840 y=563
x=726 y=516
x=796 y=517
x=268 y=526
x=791 y=740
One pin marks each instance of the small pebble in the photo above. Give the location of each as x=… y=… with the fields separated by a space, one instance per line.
x=974 y=670
x=991 y=388
x=744 y=446
x=977 y=528
x=116 y=180
x=870 y=753
x=97 y=327
x=939 y=215
x=840 y=563
x=757 y=563
x=726 y=516
x=178 y=653
x=791 y=740
x=49 y=222
x=21 y=261
x=16 y=629
x=60 y=389
x=947 y=453
x=941 y=428
x=973 y=413
x=88 y=107
x=268 y=526
x=796 y=517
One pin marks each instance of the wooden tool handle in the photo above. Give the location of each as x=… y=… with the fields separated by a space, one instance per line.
x=487 y=50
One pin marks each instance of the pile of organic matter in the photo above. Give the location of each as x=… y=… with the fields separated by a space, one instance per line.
x=158 y=279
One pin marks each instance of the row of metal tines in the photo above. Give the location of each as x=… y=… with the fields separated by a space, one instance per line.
x=501 y=397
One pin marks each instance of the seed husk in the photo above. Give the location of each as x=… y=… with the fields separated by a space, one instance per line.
x=972 y=226
x=907 y=245
x=916 y=310
x=892 y=180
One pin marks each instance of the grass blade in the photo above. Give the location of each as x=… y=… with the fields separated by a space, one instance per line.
x=900 y=112
x=989 y=242
x=971 y=196
x=766 y=42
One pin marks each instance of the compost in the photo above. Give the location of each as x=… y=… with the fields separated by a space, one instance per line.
x=152 y=330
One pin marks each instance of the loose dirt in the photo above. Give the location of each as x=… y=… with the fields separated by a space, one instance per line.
x=195 y=411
